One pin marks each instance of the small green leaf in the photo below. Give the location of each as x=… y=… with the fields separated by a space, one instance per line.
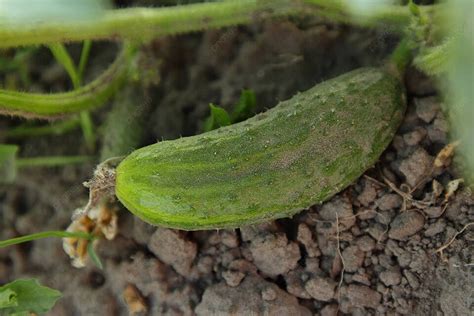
x=414 y=9
x=93 y=255
x=218 y=118
x=31 y=297
x=8 y=165
x=8 y=298
x=246 y=106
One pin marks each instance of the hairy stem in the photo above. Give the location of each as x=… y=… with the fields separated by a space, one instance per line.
x=43 y=105
x=52 y=161
x=142 y=24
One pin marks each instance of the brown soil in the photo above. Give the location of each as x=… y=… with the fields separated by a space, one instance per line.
x=370 y=250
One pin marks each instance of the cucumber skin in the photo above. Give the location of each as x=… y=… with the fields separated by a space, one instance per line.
x=295 y=155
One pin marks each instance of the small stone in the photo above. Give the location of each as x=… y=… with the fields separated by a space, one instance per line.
x=427 y=108
x=353 y=258
x=368 y=194
x=173 y=248
x=390 y=277
x=361 y=278
x=248 y=299
x=271 y=248
x=438 y=131
x=412 y=279
x=294 y=285
x=378 y=232
x=435 y=228
x=321 y=289
x=365 y=243
x=433 y=211
x=269 y=294
x=389 y=201
x=233 y=278
x=342 y=209
x=414 y=137
x=305 y=237
x=416 y=167
x=406 y=224
x=329 y=310
x=361 y=296
x=229 y=238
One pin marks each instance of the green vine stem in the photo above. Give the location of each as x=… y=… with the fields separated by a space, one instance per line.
x=47 y=234
x=52 y=161
x=142 y=24
x=53 y=128
x=41 y=105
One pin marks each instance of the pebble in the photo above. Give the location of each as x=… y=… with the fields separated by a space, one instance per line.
x=435 y=228
x=390 y=277
x=427 y=108
x=389 y=201
x=361 y=296
x=233 y=278
x=322 y=289
x=305 y=237
x=416 y=167
x=414 y=137
x=368 y=194
x=433 y=211
x=353 y=258
x=365 y=243
x=271 y=248
x=173 y=248
x=253 y=297
x=406 y=224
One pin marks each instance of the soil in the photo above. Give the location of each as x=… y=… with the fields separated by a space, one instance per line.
x=370 y=250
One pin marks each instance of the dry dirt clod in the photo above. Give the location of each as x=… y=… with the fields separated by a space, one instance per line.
x=427 y=108
x=353 y=258
x=390 y=277
x=322 y=289
x=305 y=237
x=233 y=278
x=416 y=167
x=266 y=250
x=173 y=248
x=360 y=296
x=406 y=224
x=389 y=201
x=248 y=299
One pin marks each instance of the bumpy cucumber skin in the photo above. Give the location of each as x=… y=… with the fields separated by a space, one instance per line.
x=295 y=155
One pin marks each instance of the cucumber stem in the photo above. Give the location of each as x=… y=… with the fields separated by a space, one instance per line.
x=51 y=161
x=43 y=105
x=142 y=24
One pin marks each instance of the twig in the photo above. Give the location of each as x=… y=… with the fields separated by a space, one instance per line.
x=446 y=245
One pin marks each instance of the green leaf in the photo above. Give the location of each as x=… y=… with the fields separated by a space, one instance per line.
x=246 y=106
x=93 y=255
x=218 y=118
x=31 y=297
x=414 y=9
x=62 y=56
x=8 y=167
x=8 y=298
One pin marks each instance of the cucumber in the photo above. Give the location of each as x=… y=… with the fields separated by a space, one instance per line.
x=273 y=165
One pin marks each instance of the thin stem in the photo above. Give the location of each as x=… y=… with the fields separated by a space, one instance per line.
x=41 y=105
x=47 y=234
x=54 y=128
x=87 y=127
x=142 y=24
x=86 y=49
x=52 y=161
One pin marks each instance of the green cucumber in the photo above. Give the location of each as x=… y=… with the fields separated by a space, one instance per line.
x=273 y=165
